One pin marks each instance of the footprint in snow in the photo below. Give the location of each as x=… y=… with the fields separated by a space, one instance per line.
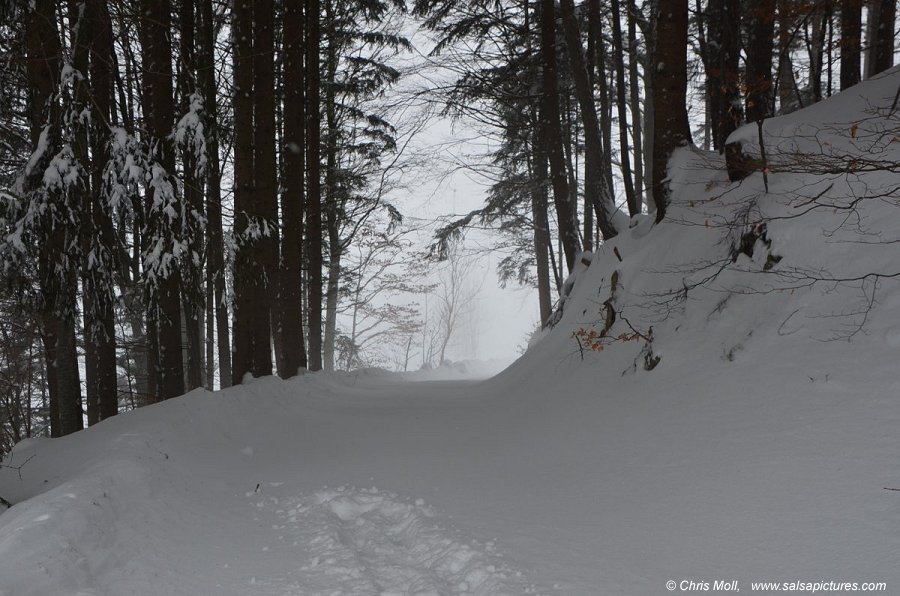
x=370 y=542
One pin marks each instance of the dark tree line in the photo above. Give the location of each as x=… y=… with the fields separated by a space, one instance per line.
x=163 y=195
x=182 y=181
x=555 y=82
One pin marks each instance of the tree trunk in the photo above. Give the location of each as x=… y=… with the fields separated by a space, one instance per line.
x=788 y=93
x=670 y=128
x=635 y=101
x=92 y=57
x=57 y=287
x=192 y=276
x=605 y=116
x=291 y=291
x=634 y=205
x=760 y=43
x=552 y=134
x=215 y=244
x=331 y=303
x=541 y=225
x=820 y=18
x=880 y=36
x=571 y=137
x=594 y=35
x=101 y=74
x=160 y=113
x=81 y=24
x=539 y=185
x=723 y=79
x=251 y=329
x=332 y=195
x=265 y=176
x=851 y=39
x=65 y=361
x=314 y=196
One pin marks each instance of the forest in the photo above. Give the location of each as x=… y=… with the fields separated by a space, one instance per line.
x=196 y=191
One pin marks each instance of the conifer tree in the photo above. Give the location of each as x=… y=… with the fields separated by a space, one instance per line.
x=51 y=218
x=163 y=209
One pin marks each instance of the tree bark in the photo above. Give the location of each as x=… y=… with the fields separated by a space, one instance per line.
x=95 y=52
x=331 y=304
x=541 y=225
x=539 y=185
x=880 y=36
x=215 y=275
x=634 y=205
x=635 y=101
x=265 y=176
x=788 y=93
x=760 y=43
x=314 y=193
x=820 y=17
x=552 y=134
x=670 y=128
x=159 y=112
x=291 y=291
x=723 y=79
x=251 y=342
x=331 y=195
x=57 y=287
x=192 y=295
x=603 y=161
x=81 y=26
x=851 y=39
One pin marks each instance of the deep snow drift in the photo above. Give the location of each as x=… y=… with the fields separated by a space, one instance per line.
x=758 y=448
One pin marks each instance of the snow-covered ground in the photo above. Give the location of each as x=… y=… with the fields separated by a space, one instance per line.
x=758 y=448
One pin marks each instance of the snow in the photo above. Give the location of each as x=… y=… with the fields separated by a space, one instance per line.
x=758 y=448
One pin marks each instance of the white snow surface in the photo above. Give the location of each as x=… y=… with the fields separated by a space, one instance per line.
x=759 y=447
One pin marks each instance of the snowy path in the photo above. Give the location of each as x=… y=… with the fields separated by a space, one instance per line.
x=206 y=496
x=482 y=490
x=368 y=542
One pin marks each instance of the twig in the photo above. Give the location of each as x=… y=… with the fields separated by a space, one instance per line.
x=889 y=488
x=20 y=466
x=5 y=503
x=647 y=337
x=762 y=154
x=894 y=105
x=580 y=346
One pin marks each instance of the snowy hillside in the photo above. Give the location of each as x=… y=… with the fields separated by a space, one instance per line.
x=718 y=401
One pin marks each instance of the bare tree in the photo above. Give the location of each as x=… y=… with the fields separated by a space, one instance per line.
x=384 y=277
x=455 y=294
